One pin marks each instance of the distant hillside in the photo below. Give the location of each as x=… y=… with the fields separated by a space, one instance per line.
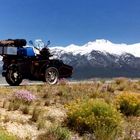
x=101 y=59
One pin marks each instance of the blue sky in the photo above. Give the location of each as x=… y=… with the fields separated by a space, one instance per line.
x=71 y=21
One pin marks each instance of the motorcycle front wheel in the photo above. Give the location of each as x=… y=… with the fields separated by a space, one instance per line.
x=13 y=77
x=51 y=75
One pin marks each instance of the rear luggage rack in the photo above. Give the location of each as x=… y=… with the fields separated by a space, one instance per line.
x=10 y=46
x=13 y=42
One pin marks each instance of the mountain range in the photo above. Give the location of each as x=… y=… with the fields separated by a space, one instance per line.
x=100 y=59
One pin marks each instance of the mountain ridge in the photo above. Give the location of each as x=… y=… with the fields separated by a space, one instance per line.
x=103 y=46
x=101 y=58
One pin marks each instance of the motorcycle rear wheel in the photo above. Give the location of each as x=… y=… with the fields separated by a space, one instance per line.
x=13 y=77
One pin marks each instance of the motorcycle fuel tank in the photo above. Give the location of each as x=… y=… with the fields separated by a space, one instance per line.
x=28 y=51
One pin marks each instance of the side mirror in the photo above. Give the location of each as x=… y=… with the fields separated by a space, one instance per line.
x=48 y=43
x=31 y=42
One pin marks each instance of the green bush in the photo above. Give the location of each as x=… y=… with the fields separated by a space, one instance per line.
x=55 y=133
x=128 y=103
x=94 y=116
x=6 y=136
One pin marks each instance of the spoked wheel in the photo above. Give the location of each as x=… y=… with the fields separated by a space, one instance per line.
x=13 y=76
x=51 y=75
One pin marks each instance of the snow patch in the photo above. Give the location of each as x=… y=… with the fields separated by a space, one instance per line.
x=101 y=45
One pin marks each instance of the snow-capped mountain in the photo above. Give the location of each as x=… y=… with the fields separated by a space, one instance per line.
x=102 y=46
x=101 y=58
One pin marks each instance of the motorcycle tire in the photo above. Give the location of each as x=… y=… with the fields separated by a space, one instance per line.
x=13 y=77
x=51 y=75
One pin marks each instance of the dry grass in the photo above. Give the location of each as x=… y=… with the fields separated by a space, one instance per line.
x=49 y=107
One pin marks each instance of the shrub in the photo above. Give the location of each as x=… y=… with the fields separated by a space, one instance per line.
x=25 y=109
x=56 y=133
x=122 y=84
x=94 y=116
x=121 y=80
x=128 y=103
x=21 y=98
x=6 y=136
x=41 y=123
x=24 y=96
x=14 y=105
x=35 y=114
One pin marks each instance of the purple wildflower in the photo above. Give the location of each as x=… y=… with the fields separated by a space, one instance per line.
x=25 y=95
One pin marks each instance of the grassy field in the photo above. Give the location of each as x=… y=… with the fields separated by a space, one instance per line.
x=81 y=111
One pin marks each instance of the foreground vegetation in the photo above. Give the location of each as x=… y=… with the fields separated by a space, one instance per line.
x=98 y=110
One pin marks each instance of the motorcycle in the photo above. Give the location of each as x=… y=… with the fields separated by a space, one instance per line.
x=31 y=62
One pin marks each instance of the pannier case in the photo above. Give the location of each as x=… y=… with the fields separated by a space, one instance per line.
x=10 y=46
x=8 y=50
